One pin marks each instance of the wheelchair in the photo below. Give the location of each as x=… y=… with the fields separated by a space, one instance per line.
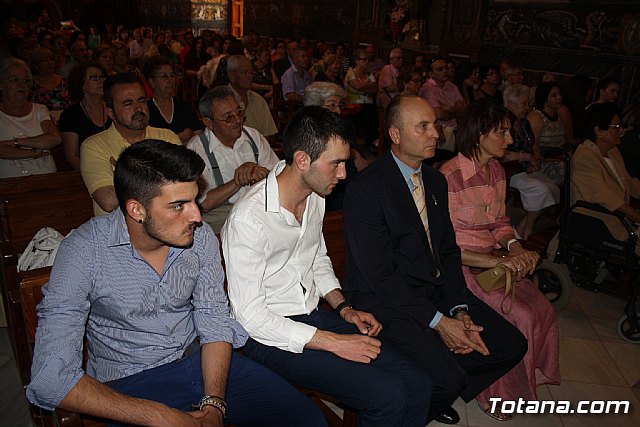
x=593 y=244
x=591 y=251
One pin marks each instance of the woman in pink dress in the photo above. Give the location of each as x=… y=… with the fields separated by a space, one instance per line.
x=477 y=187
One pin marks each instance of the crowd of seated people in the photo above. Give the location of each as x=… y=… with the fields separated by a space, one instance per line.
x=228 y=133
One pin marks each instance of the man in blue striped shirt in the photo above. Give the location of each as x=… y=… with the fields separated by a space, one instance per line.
x=145 y=285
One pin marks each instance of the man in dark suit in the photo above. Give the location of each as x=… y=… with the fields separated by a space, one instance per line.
x=404 y=266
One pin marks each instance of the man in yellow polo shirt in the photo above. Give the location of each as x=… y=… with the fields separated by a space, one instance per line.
x=126 y=103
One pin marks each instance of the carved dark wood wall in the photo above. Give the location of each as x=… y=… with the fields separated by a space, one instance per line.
x=169 y=13
x=331 y=20
x=593 y=38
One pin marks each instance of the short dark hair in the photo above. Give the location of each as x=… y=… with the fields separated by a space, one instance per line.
x=311 y=128
x=464 y=70
x=406 y=74
x=484 y=70
x=42 y=34
x=215 y=94
x=143 y=168
x=77 y=76
x=118 y=79
x=542 y=93
x=479 y=118
x=74 y=36
x=153 y=64
x=604 y=83
x=599 y=115
x=434 y=59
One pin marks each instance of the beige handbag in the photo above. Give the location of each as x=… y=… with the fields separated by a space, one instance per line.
x=497 y=278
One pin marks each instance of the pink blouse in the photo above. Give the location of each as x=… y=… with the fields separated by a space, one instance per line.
x=477 y=203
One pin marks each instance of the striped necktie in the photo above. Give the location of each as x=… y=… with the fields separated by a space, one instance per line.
x=421 y=205
x=418 y=199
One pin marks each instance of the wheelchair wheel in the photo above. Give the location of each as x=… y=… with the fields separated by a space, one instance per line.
x=554 y=282
x=627 y=331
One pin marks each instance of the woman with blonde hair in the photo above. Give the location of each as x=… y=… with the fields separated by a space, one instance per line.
x=329 y=70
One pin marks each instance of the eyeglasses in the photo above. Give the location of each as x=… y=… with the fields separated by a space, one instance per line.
x=332 y=105
x=232 y=116
x=97 y=77
x=165 y=76
x=620 y=128
x=16 y=80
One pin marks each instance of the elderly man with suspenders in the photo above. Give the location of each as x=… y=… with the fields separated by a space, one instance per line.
x=236 y=156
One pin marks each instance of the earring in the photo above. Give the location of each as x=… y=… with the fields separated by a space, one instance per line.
x=139 y=221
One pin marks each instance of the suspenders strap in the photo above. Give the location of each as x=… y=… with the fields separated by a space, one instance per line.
x=215 y=168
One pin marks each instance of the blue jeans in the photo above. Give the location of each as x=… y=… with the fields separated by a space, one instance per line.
x=388 y=392
x=255 y=395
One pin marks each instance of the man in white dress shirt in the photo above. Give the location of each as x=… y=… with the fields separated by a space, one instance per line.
x=278 y=269
x=235 y=156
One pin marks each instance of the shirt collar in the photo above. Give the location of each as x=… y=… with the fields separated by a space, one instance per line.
x=406 y=171
x=468 y=167
x=114 y=133
x=119 y=233
x=272 y=195
x=214 y=142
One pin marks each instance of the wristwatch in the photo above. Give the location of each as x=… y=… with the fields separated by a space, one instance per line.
x=214 y=401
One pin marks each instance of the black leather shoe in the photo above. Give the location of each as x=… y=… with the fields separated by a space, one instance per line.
x=448 y=416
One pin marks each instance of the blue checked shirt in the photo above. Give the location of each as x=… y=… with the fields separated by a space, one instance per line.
x=134 y=318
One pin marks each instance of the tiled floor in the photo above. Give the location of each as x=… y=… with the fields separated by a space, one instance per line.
x=595 y=364
x=13 y=407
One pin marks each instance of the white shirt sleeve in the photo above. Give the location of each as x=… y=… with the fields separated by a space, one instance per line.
x=244 y=248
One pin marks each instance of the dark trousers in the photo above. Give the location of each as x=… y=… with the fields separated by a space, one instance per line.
x=455 y=375
x=388 y=392
x=255 y=395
